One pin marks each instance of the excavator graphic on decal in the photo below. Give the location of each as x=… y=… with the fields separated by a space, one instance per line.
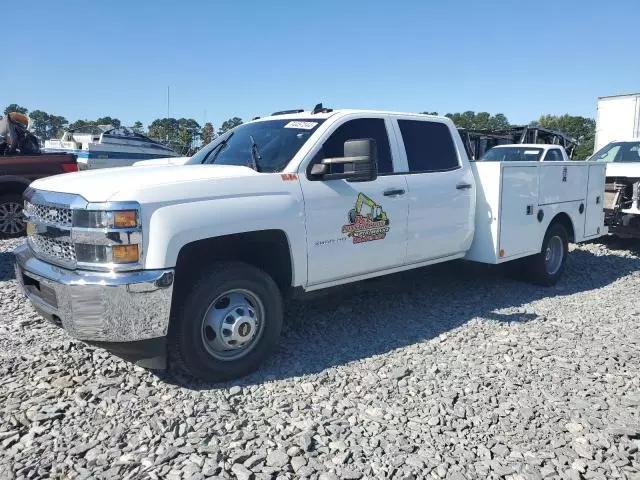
x=366 y=207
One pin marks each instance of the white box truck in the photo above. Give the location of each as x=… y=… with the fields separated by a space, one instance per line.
x=194 y=261
x=617 y=118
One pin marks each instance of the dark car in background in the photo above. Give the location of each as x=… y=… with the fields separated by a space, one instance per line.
x=16 y=173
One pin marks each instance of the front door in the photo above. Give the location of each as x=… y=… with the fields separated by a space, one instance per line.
x=356 y=228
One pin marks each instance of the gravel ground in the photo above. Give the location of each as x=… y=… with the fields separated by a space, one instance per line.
x=449 y=372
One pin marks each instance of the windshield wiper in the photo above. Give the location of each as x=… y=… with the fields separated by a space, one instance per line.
x=217 y=149
x=255 y=154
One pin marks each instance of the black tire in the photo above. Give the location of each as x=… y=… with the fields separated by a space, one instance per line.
x=188 y=354
x=537 y=267
x=8 y=204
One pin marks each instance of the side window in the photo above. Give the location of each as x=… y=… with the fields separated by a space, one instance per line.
x=360 y=128
x=631 y=153
x=429 y=146
x=609 y=155
x=553 y=155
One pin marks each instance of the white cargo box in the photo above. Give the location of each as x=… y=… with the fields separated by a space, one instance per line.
x=516 y=202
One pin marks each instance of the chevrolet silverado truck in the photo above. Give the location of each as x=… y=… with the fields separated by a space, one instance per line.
x=189 y=266
x=622 y=189
x=16 y=173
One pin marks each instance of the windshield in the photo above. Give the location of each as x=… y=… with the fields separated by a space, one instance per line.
x=512 y=154
x=277 y=141
x=619 y=152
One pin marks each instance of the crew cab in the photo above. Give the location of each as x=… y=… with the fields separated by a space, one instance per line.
x=525 y=152
x=194 y=263
x=622 y=197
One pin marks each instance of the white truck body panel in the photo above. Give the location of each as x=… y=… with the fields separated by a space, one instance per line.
x=617 y=117
x=510 y=195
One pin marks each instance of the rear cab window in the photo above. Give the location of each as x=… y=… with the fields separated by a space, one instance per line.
x=553 y=155
x=429 y=146
x=512 y=154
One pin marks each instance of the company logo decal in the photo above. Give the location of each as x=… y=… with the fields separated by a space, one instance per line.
x=367 y=221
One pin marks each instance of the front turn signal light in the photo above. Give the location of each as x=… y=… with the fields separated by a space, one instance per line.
x=125 y=253
x=125 y=219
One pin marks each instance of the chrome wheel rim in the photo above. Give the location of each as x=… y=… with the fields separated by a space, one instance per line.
x=11 y=218
x=232 y=325
x=554 y=255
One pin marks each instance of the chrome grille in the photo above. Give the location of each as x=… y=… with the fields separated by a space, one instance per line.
x=47 y=214
x=56 y=250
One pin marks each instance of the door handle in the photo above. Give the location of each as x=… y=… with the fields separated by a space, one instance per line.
x=393 y=192
x=463 y=186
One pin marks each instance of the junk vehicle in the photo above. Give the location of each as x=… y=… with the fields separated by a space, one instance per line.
x=106 y=146
x=622 y=189
x=20 y=164
x=617 y=144
x=190 y=266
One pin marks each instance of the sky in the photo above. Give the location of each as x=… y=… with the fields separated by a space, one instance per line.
x=247 y=58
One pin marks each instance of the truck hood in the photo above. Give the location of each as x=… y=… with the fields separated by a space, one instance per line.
x=631 y=170
x=162 y=161
x=103 y=184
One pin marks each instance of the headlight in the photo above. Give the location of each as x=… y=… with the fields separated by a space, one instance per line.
x=105 y=219
x=107 y=238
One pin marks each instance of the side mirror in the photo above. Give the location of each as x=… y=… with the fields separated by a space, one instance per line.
x=360 y=162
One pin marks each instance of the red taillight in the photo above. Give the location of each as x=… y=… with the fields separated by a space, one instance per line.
x=69 y=167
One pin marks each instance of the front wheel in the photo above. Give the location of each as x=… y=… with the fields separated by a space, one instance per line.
x=12 y=223
x=227 y=325
x=546 y=267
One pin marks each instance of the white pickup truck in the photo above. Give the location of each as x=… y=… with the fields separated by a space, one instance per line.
x=622 y=189
x=194 y=262
x=522 y=152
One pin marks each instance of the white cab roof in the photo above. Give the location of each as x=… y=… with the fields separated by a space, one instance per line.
x=544 y=146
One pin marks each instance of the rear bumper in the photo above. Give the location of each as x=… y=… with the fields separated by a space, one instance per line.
x=98 y=307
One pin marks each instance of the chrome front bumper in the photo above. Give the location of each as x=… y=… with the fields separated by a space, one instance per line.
x=95 y=306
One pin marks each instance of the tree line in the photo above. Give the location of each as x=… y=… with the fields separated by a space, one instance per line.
x=188 y=135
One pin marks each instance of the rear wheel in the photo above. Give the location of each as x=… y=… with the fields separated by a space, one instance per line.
x=546 y=267
x=227 y=325
x=12 y=223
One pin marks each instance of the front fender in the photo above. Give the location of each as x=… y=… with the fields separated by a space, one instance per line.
x=173 y=226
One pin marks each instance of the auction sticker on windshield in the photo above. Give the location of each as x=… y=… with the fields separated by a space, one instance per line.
x=302 y=125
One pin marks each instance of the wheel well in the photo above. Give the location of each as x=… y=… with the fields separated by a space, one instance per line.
x=265 y=249
x=16 y=188
x=564 y=220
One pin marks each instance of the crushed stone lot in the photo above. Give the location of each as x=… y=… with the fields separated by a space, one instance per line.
x=454 y=371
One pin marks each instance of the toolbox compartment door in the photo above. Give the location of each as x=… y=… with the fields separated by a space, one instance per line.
x=519 y=228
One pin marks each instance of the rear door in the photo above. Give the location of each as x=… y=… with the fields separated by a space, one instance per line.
x=441 y=189
x=356 y=228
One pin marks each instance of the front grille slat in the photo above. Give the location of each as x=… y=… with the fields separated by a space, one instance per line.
x=60 y=251
x=62 y=217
